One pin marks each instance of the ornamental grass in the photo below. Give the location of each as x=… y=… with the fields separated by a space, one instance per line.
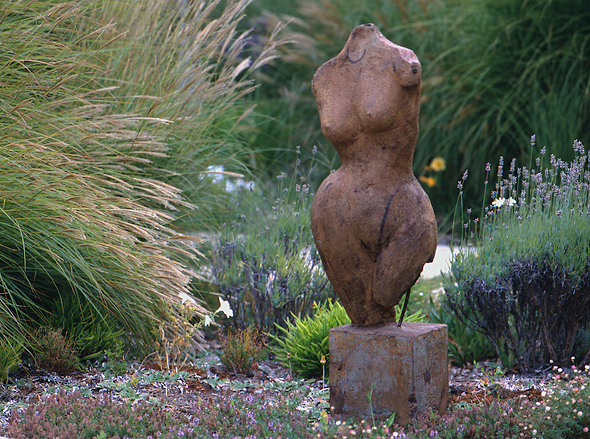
x=110 y=113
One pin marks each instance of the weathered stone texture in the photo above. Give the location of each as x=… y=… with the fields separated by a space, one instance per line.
x=372 y=222
x=407 y=364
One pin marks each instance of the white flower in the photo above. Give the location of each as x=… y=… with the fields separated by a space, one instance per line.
x=225 y=308
x=498 y=202
x=185 y=297
x=208 y=320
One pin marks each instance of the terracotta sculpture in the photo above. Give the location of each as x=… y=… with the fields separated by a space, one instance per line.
x=372 y=222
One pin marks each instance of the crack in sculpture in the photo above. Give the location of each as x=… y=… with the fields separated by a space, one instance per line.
x=368 y=100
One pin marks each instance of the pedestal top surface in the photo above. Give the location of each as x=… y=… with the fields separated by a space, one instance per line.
x=408 y=329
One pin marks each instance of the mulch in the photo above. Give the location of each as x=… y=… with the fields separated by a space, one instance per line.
x=471 y=384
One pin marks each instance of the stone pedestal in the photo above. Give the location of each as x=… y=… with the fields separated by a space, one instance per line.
x=408 y=365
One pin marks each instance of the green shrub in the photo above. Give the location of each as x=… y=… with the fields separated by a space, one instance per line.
x=266 y=264
x=465 y=344
x=90 y=333
x=526 y=284
x=303 y=346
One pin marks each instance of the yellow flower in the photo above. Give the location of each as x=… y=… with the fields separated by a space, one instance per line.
x=323 y=360
x=430 y=182
x=438 y=164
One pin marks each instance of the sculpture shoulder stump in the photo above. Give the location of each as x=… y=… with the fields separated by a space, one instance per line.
x=372 y=222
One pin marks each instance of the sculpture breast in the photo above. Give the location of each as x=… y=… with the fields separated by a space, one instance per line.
x=372 y=222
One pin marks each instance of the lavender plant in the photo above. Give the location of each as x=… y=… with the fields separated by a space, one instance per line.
x=523 y=279
x=266 y=264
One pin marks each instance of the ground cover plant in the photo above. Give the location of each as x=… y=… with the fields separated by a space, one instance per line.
x=525 y=283
x=291 y=408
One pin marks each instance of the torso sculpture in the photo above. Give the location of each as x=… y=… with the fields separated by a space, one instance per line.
x=372 y=222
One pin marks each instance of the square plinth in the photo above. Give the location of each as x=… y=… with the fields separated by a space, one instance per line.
x=407 y=365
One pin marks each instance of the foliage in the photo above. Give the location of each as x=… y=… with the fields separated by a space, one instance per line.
x=507 y=69
x=175 y=343
x=494 y=72
x=526 y=284
x=186 y=64
x=319 y=30
x=465 y=344
x=241 y=352
x=564 y=412
x=53 y=351
x=72 y=216
x=10 y=355
x=304 y=343
x=104 y=125
x=266 y=263
x=291 y=409
x=114 y=363
x=71 y=415
x=90 y=334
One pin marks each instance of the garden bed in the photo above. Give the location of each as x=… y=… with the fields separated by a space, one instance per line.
x=206 y=383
